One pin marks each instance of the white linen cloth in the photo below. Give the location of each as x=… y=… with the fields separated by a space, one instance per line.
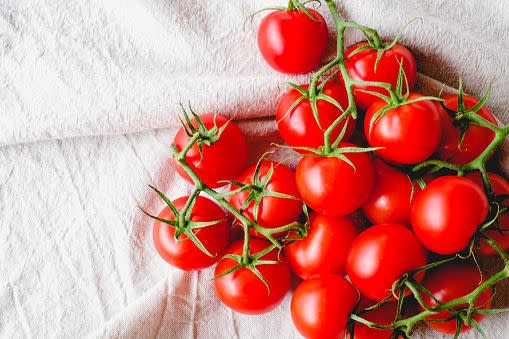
x=88 y=107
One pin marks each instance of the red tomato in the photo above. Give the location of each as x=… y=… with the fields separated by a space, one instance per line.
x=183 y=253
x=242 y=290
x=501 y=186
x=383 y=315
x=217 y=163
x=321 y=306
x=331 y=186
x=446 y=214
x=299 y=128
x=272 y=212
x=476 y=138
x=380 y=255
x=361 y=66
x=391 y=197
x=449 y=282
x=325 y=248
x=408 y=134
x=292 y=42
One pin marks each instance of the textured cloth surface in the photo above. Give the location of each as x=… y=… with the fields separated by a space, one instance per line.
x=88 y=105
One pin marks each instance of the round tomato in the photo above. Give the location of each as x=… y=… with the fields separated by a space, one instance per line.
x=446 y=214
x=325 y=248
x=217 y=162
x=183 y=253
x=476 y=138
x=299 y=128
x=292 y=42
x=449 y=282
x=321 y=306
x=361 y=66
x=272 y=211
x=383 y=315
x=408 y=134
x=380 y=256
x=242 y=290
x=331 y=186
x=501 y=186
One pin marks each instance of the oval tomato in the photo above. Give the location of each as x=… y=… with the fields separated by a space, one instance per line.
x=476 y=138
x=449 y=282
x=446 y=214
x=380 y=256
x=321 y=306
x=299 y=128
x=217 y=163
x=333 y=187
x=183 y=253
x=325 y=248
x=292 y=42
x=408 y=134
x=361 y=66
x=242 y=290
x=500 y=186
x=383 y=315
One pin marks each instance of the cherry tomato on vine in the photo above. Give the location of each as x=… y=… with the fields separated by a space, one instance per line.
x=217 y=162
x=299 y=128
x=408 y=134
x=380 y=256
x=446 y=214
x=383 y=315
x=324 y=249
x=321 y=306
x=331 y=186
x=500 y=186
x=361 y=66
x=449 y=282
x=242 y=290
x=292 y=42
x=476 y=138
x=183 y=253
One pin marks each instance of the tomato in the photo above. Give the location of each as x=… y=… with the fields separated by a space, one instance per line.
x=501 y=186
x=217 y=163
x=292 y=42
x=380 y=256
x=183 y=253
x=242 y=290
x=476 y=138
x=272 y=211
x=391 y=197
x=383 y=315
x=409 y=133
x=321 y=306
x=449 y=282
x=361 y=66
x=446 y=214
x=299 y=128
x=333 y=187
x=325 y=248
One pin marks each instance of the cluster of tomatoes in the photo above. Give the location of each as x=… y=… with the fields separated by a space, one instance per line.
x=413 y=217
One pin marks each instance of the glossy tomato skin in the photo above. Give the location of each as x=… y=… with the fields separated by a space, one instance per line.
x=476 y=138
x=183 y=253
x=299 y=128
x=242 y=290
x=217 y=163
x=449 y=282
x=380 y=255
x=325 y=248
x=272 y=212
x=330 y=186
x=408 y=134
x=391 y=197
x=383 y=315
x=361 y=66
x=501 y=186
x=321 y=306
x=292 y=42
x=446 y=214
